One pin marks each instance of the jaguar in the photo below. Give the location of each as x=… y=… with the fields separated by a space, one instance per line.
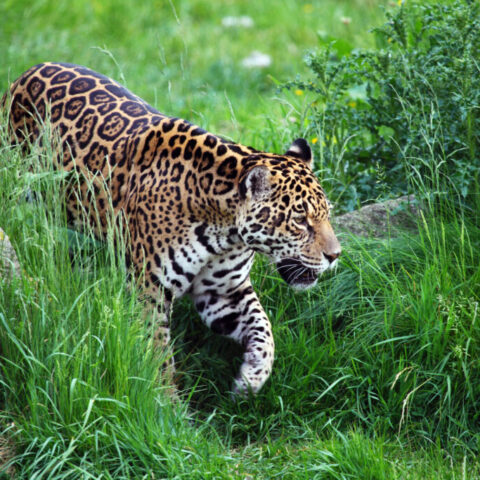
x=196 y=206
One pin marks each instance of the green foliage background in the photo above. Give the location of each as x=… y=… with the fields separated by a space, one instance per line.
x=176 y=54
x=382 y=113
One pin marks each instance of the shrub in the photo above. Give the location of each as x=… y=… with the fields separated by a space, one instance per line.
x=405 y=110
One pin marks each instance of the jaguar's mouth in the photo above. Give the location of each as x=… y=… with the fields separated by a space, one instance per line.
x=296 y=274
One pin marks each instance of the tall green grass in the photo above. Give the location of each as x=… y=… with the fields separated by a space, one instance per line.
x=376 y=368
x=376 y=371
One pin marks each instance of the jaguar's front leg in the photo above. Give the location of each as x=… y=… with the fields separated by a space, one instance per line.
x=239 y=315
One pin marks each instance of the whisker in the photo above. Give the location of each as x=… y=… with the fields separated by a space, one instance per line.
x=298 y=275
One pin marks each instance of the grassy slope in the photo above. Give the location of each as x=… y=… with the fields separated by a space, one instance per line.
x=375 y=372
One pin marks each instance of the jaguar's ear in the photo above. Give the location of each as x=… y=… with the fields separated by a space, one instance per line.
x=255 y=184
x=301 y=149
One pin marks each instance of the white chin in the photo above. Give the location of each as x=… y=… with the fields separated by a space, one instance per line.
x=303 y=285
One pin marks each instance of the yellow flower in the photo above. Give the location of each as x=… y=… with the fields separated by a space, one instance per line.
x=352 y=103
x=298 y=92
x=98 y=7
x=314 y=140
x=308 y=8
x=399 y=2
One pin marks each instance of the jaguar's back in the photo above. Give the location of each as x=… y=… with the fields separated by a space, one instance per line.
x=101 y=126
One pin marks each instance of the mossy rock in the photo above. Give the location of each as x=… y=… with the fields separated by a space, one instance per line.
x=380 y=220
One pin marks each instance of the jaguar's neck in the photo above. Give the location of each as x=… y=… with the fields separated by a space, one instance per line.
x=208 y=167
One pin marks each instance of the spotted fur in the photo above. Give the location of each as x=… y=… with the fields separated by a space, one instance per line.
x=196 y=207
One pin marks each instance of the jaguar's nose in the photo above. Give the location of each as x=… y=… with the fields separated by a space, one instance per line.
x=331 y=257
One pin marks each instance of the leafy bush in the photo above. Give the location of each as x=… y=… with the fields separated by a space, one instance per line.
x=407 y=110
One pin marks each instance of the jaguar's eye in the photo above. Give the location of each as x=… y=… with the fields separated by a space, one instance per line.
x=301 y=220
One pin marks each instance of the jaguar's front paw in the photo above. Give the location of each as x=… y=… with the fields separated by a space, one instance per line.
x=250 y=379
x=241 y=389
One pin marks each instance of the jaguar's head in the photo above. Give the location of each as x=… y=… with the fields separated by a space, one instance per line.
x=286 y=215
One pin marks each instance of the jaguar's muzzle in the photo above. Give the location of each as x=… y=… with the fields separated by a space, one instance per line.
x=295 y=273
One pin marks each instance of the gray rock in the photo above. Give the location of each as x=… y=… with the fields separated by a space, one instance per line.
x=380 y=220
x=9 y=265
